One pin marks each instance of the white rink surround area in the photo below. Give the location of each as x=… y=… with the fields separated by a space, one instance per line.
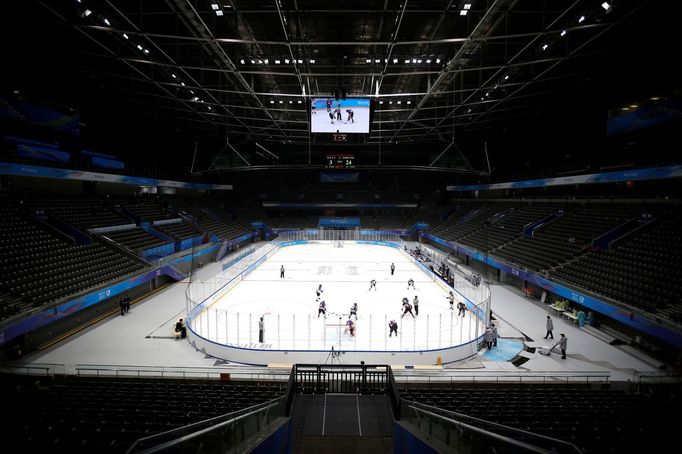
x=225 y=324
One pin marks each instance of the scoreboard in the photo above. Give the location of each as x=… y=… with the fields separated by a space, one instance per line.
x=340 y=161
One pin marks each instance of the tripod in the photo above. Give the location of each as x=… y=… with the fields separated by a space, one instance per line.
x=333 y=355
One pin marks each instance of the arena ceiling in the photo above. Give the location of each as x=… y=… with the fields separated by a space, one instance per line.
x=436 y=70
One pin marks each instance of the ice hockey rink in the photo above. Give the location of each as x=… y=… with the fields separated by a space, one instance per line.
x=289 y=305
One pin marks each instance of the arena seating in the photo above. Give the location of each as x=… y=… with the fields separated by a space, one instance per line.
x=179 y=231
x=564 y=238
x=135 y=239
x=210 y=221
x=79 y=210
x=509 y=227
x=596 y=420
x=108 y=415
x=147 y=210
x=642 y=271
x=37 y=268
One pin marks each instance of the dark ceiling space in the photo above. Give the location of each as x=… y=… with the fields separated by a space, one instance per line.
x=164 y=75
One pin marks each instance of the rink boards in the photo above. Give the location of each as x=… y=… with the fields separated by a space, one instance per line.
x=300 y=337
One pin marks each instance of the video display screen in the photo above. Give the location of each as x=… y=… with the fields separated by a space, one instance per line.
x=329 y=115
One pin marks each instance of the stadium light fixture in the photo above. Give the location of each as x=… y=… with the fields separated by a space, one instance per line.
x=196 y=98
x=182 y=83
x=606 y=6
x=260 y=62
x=219 y=13
x=300 y=62
x=381 y=102
x=106 y=21
x=409 y=102
x=563 y=32
x=506 y=77
x=428 y=61
x=377 y=61
x=581 y=19
x=463 y=12
x=209 y=108
x=395 y=60
x=86 y=13
x=291 y=102
x=369 y=60
x=253 y=62
x=266 y=61
x=215 y=6
x=272 y=102
x=299 y=101
x=286 y=60
x=390 y=102
x=414 y=60
x=125 y=36
x=241 y=61
x=407 y=61
x=281 y=102
x=146 y=51
x=419 y=61
x=437 y=60
x=277 y=62
x=174 y=76
x=385 y=60
x=544 y=47
x=139 y=47
x=399 y=102
x=467 y=6
x=312 y=61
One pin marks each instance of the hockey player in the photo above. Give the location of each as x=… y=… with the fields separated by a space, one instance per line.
x=415 y=303
x=318 y=292
x=410 y=283
x=451 y=298
x=461 y=307
x=350 y=115
x=392 y=268
x=405 y=301
x=392 y=328
x=339 y=117
x=407 y=308
x=353 y=311
x=322 y=309
x=331 y=116
x=351 y=327
x=372 y=285
x=281 y=272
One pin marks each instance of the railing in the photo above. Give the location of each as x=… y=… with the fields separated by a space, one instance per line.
x=461 y=433
x=337 y=378
x=227 y=433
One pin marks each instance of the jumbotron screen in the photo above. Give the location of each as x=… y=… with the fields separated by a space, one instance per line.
x=329 y=115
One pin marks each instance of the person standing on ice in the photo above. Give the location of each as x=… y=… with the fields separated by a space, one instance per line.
x=281 y=272
x=322 y=310
x=410 y=283
x=372 y=285
x=353 y=311
x=392 y=268
x=318 y=292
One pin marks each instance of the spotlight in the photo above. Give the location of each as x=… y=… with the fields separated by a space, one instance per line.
x=139 y=47
x=215 y=6
x=463 y=12
x=377 y=61
x=253 y=62
x=407 y=61
x=106 y=21
x=86 y=13
x=606 y=6
x=286 y=60
x=125 y=36
x=437 y=60
x=277 y=62
x=241 y=61
x=182 y=83
x=467 y=6
x=369 y=60
x=563 y=32
x=381 y=102
x=409 y=102
x=395 y=60
x=428 y=61
x=219 y=13
x=174 y=76
x=544 y=47
x=146 y=51
x=272 y=102
x=300 y=62
x=266 y=61
x=312 y=61
x=582 y=18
